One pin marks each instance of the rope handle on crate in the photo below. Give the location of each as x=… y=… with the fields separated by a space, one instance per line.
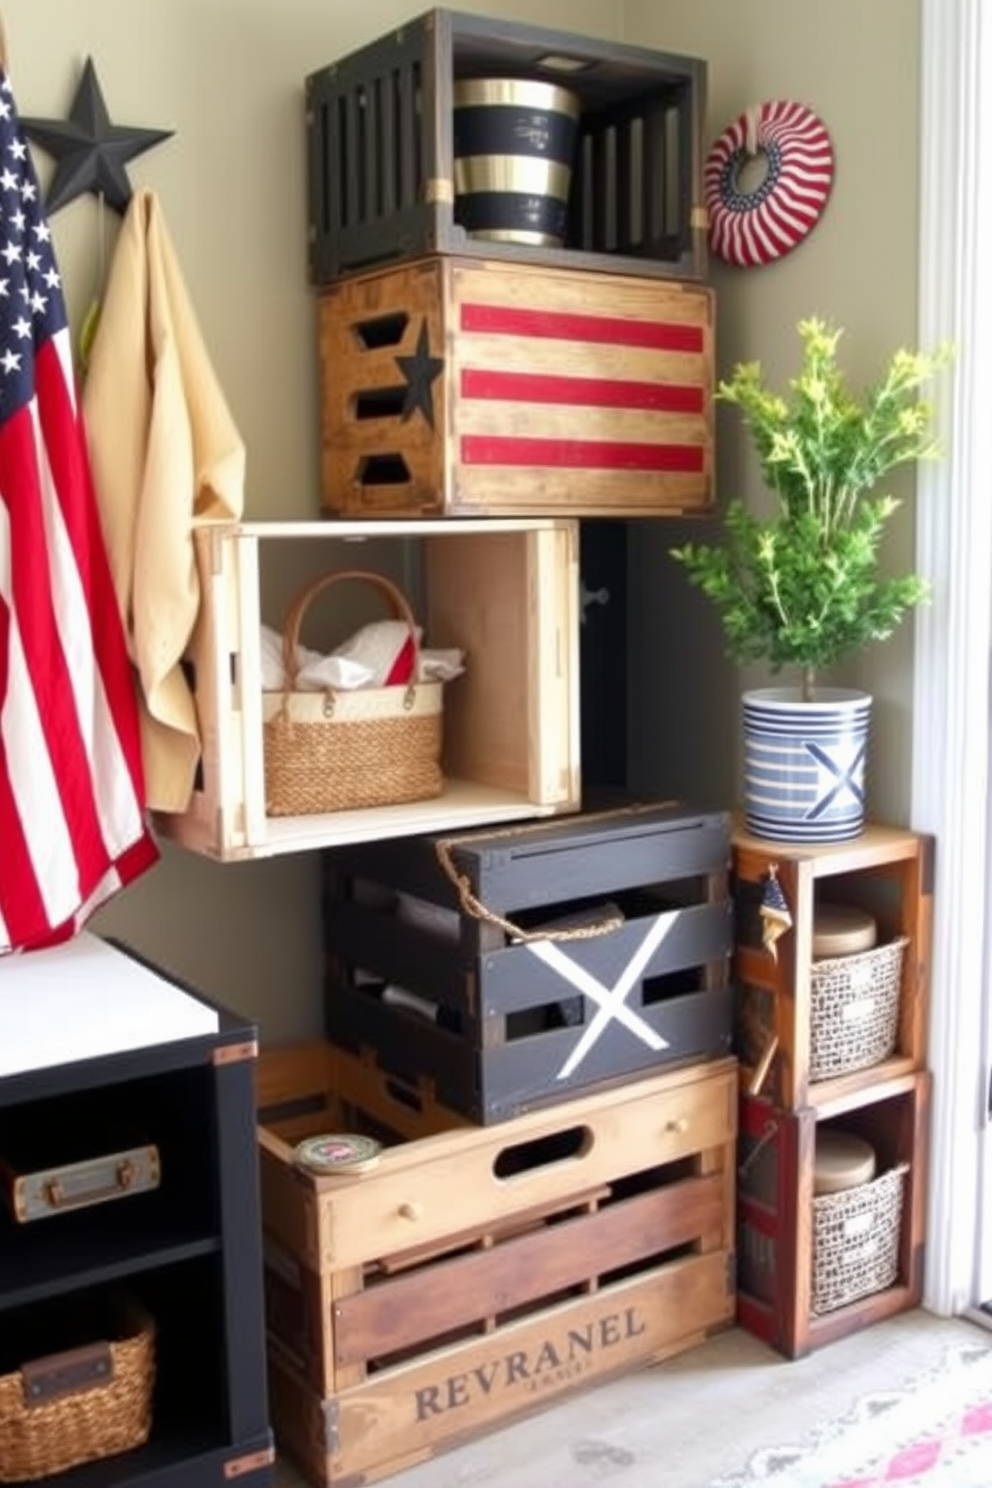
x=298 y=607
x=474 y=906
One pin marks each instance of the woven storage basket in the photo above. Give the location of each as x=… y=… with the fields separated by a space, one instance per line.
x=66 y=1409
x=345 y=750
x=856 y=1240
x=854 y=1009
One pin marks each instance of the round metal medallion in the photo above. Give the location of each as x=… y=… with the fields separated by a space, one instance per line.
x=338 y=1152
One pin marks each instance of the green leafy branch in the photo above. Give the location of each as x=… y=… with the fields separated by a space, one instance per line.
x=804 y=587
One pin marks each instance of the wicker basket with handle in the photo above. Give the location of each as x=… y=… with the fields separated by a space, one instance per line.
x=341 y=750
x=87 y=1403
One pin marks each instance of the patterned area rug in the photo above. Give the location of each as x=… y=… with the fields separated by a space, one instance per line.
x=935 y=1431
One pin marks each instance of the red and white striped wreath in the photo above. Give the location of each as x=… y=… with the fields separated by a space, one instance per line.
x=754 y=227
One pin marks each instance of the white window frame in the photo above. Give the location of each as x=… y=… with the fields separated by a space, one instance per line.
x=952 y=721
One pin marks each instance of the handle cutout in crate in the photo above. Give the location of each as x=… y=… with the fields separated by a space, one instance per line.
x=523 y=1159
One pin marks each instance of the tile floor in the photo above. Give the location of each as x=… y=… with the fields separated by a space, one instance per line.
x=687 y=1421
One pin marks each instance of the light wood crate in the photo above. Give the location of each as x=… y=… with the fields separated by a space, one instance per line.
x=887 y=870
x=451 y=387
x=506 y=592
x=477 y=1274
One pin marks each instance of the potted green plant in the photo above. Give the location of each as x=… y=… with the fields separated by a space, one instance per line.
x=803 y=587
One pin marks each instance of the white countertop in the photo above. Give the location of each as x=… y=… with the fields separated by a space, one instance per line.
x=85 y=999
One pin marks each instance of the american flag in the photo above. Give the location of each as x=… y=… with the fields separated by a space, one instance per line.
x=72 y=824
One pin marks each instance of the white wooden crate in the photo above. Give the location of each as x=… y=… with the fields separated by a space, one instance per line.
x=505 y=591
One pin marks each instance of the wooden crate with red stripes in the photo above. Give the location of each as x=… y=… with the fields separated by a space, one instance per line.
x=453 y=386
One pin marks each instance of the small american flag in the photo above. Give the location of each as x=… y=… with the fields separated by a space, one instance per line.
x=776 y=917
x=72 y=824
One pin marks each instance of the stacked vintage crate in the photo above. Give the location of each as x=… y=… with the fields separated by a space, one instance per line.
x=832 y=1036
x=474 y=375
x=534 y=1020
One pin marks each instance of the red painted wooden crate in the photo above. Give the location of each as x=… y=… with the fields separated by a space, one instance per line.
x=776 y=1251
x=451 y=386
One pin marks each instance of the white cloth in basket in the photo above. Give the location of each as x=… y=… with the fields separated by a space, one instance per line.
x=380 y=654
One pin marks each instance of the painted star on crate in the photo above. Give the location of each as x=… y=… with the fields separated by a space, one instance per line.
x=420 y=371
x=90 y=152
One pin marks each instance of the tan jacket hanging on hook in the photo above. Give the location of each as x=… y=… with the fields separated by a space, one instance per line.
x=165 y=452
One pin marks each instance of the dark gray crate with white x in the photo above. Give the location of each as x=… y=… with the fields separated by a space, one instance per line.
x=509 y=968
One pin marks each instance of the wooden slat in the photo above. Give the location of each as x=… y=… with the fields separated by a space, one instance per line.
x=296 y=1313
x=586 y=492
x=628 y=1132
x=338 y=1373
x=292 y=1072
x=484 y=716
x=290 y=1210
x=473 y=1386
x=525 y=1220
x=594 y=853
x=410 y=1109
x=299 y=1412
x=350 y=158
x=458 y=1292
x=374 y=157
x=656 y=369
x=387 y=96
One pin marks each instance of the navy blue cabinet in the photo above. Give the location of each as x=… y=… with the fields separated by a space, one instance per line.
x=188 y=1252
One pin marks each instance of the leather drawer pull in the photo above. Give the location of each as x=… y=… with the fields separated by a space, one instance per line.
x=68 y=1373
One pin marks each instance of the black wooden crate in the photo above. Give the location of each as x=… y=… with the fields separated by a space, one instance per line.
x=381 y=162
x=506 y=1025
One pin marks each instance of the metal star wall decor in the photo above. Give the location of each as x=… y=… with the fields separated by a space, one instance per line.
x=420 y=370
x=90 y=152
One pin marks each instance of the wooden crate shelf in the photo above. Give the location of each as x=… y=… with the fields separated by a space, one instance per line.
x=516 y=1025
x=478 y=1273
x=381 y=148
x=888 y=870
x=523 y=392
x=776 y=1255
x=505 y=592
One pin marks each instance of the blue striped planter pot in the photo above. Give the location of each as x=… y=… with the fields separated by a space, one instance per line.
x=804 y=763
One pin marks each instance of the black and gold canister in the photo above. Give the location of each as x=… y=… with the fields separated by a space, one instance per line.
x=514 y=145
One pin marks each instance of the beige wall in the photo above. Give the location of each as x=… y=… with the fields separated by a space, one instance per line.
x=857 y=65
x=227 y=76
